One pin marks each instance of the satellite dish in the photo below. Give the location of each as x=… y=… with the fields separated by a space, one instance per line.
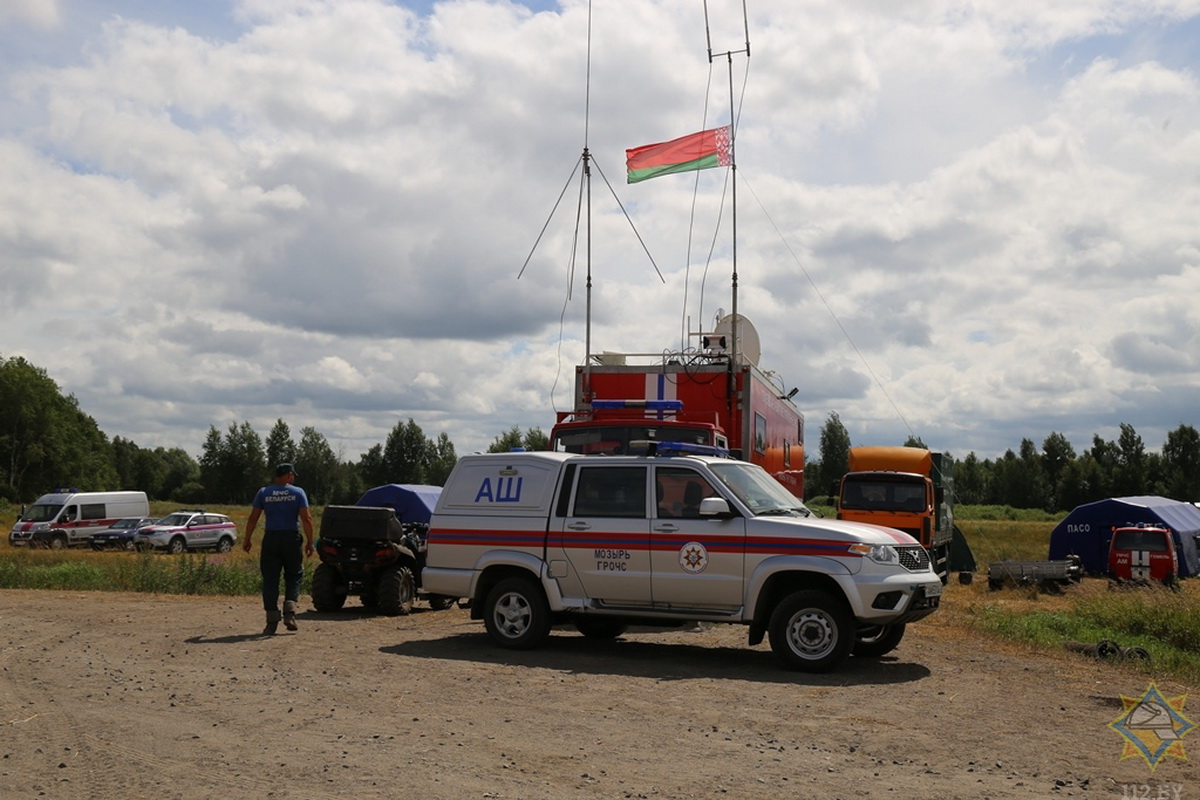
x=749 y=348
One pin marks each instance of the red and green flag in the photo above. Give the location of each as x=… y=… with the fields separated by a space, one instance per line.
x=701 y=150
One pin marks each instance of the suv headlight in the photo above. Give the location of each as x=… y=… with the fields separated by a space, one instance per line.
x=879 y=553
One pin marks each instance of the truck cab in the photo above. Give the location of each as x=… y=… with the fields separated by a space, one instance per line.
x=907 y=488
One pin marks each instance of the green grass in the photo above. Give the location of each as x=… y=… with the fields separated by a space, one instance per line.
x=1165 y=623
x=191 y=573
x=82 y=569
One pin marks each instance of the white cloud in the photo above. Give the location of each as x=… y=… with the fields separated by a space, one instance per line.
x=42 y=14
x=318 y=210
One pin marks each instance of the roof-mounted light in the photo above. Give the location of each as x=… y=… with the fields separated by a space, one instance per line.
x=649 y=405
x=681 y=449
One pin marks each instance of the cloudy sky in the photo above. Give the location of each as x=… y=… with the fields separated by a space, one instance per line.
x=976 y=222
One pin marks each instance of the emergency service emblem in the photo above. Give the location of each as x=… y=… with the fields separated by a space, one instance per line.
x=693 y=557
x=1153 y=726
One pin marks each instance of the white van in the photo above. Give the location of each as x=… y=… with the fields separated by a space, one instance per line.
x=68 y=517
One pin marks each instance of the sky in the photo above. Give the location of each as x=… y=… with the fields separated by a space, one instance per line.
x=974 y=223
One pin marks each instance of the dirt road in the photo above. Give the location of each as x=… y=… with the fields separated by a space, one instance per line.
x=119 y=695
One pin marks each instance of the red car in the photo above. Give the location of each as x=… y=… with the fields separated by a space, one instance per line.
x=1143 y=553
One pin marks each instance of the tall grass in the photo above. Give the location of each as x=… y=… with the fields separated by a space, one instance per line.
x=234 y=573
x=1165 y=622
x=190 y=573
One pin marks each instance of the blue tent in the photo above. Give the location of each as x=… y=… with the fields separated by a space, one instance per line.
x=1087 y=530
x=411 y=502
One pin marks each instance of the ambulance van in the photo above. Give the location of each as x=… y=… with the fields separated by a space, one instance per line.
x=67 y=517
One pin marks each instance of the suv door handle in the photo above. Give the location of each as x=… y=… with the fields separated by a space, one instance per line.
x=579 y=526
x=666 y=527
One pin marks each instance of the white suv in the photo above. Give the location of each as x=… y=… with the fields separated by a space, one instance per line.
x=189 y=529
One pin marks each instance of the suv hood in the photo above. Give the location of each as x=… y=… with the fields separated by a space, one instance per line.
x=831 y=530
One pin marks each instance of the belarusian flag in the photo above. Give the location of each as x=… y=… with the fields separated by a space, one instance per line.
x=701 y=150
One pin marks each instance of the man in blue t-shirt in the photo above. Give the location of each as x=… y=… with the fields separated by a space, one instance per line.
x=284 y=507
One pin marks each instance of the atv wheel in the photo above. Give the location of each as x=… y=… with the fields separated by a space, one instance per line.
x=516 y=614
x=440 y=602
x=328 y=593
x=395 y=590
x=811 y=631
x=875 y=640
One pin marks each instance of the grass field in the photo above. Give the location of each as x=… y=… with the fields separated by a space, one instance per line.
x=1165 y=623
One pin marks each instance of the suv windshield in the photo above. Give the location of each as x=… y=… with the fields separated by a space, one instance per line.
x=758 y=490
x=175 y=519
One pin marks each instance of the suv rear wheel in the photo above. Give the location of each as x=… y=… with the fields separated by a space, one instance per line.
x=876 y=640
x=225 y=545
x=516 y=614
x=811 y=631
x=599 y=627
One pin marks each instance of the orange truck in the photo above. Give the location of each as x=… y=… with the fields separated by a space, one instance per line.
x=907 y=488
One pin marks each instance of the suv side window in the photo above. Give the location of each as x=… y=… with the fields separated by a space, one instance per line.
x=679 y=492
x=611 y=492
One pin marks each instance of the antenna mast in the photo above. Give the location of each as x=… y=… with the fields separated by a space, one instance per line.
x=587 y=181
x=729 y=54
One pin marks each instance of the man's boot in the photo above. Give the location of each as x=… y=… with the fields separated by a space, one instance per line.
x=289 y=615
x=272 y=622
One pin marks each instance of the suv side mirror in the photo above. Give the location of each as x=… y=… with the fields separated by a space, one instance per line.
x=715 y=507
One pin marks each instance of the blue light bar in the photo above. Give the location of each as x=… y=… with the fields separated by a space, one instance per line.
x=688 y=449
x=651 y=405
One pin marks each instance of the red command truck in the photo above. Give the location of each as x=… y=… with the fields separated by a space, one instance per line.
x=907 y=488
x=622 y=407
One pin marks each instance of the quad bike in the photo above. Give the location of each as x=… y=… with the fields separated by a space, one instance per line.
x=367 y=552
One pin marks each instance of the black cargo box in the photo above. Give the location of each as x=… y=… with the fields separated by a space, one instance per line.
x=361 y=522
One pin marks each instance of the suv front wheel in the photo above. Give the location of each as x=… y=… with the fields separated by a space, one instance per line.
x=811 y=631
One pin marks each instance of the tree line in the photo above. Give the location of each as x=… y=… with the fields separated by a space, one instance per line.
x=47 y=441
x=1053 y=477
